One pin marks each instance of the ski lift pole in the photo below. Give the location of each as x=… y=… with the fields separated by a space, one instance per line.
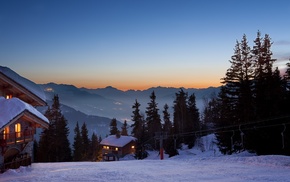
x=282 y=134
x=232 y=140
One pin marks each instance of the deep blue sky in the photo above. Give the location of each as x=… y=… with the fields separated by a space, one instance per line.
x=135 y=44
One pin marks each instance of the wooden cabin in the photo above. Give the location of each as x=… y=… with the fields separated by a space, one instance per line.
x=18 y=118
x=117 y=146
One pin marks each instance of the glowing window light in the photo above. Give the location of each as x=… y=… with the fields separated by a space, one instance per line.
x=8 y=96
x=18 y=130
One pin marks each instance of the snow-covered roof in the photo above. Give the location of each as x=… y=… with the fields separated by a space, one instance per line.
x=112 y=140
x=11 y=108
x=29 y=85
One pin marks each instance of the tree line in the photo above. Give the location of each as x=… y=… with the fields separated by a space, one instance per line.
x=251 y=111
x=54 y=146
x=150 y=127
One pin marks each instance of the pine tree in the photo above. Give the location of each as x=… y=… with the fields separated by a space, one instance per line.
x=138 y=131
x=54 y=144
x=137 y=121
x=86 y=142
x=113 y=127
x=95 y=147
x=167 y=126
x=77 y=145
x=153 y=120
x=124 y=131
x=193 y=121
x=180 y=116
x=236 y=97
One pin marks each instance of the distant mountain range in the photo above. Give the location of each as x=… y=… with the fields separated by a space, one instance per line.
x=113 y=103
x=97 y=107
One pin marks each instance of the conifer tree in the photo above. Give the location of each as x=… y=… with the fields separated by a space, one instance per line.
x=180 y=116
x=86 y=142
x=124 y=131
x=236 y=97
x=137 y=125
x=167 y=126
x=153 y=120
x=95 y=147
x=138 y=131
x=77 y=145
x=113 y=127
x=193 y=121
x=54 y=144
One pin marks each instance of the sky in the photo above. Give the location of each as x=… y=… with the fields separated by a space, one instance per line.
x=131 y=44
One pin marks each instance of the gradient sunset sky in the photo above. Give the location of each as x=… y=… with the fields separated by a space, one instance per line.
x=134 y=44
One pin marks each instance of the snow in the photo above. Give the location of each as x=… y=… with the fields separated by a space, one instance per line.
x=10 y=108
x=112 y=140
x=190 y=165
x=29 y=85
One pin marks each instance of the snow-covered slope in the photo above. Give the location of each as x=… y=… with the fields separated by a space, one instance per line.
x=191 y=165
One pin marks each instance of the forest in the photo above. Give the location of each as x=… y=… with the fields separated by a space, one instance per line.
x=250 y=112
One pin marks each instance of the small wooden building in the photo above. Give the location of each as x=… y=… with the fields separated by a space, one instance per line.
x=117 y=146
x=18 y=118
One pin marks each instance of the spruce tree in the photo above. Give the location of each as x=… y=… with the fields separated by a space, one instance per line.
x=77 y=145
x=153 y=120
x=95 y=147
x=167 y=126
x=236 y=97
x=86 y=143
x=138 y=131
x=193 y=121
x=124 y=131
x=113 y=127
x=180 y=116
x=54 y=144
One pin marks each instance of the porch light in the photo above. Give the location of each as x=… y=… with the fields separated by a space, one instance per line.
x=132 y=147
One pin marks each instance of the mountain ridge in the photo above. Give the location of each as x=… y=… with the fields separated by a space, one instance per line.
x=114 y=103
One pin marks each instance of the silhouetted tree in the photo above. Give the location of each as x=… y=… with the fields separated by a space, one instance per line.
x=85 y=142
x=113 y=127
x=153 y=120
x=78 y=144
x=54 y=144
x=124 y=131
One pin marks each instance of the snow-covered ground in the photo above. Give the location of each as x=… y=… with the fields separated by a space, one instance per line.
x=190 y=165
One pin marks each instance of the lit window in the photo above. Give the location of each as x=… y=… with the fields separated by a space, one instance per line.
x=108 y=147
x=18 y=130
x=104 y=147
x=8 y=96
x=132 y=147
x=6 y=133
x=116 y=148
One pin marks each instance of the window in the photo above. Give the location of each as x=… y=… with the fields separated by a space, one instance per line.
x=8 y=96
x=132 y=147
x=6 y=133
x=18 y=130
x=116 y=148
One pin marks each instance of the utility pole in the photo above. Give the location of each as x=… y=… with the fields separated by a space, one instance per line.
x=161 y=136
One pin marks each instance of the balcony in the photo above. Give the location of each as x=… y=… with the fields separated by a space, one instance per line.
x=8 y=139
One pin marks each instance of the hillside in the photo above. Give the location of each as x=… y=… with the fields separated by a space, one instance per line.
x=113 y=103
